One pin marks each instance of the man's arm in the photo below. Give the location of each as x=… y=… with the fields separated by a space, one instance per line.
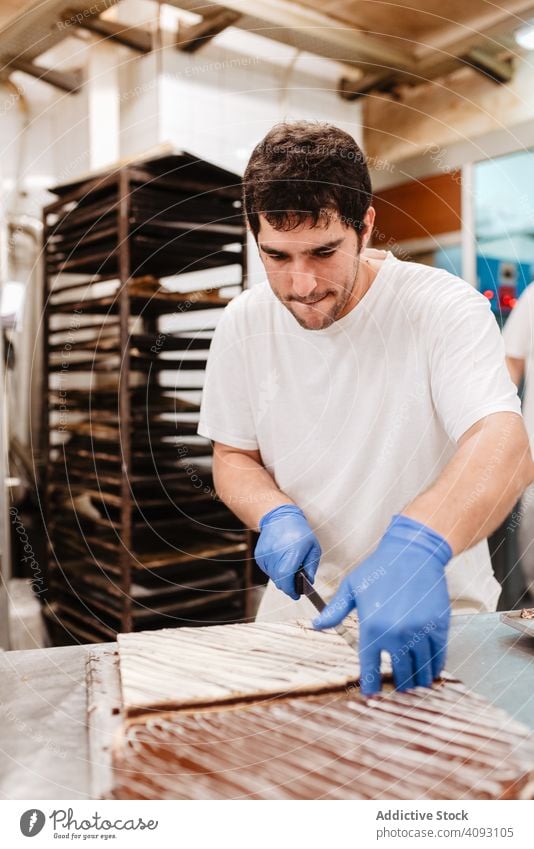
x=516 y=367
x=244 y=484
x=480 y=485
x=287 y=542
x=400 y=590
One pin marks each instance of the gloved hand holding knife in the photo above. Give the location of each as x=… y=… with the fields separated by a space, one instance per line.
x=399 y=591
x=286 y=544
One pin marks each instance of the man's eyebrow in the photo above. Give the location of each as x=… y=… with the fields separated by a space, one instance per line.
x=334 y=243
x=270 y=249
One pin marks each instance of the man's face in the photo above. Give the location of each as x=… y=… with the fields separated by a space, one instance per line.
x=312 y=270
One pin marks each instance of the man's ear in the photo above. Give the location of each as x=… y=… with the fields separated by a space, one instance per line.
x=367 y=231
x=250 y=232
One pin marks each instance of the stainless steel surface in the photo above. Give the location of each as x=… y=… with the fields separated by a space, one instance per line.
x=495 y=662
x=515 y=620
x=43 y=733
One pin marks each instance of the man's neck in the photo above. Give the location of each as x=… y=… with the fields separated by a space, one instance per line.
x=368 y=268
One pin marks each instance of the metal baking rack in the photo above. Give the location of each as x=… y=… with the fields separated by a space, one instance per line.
x=137 y=538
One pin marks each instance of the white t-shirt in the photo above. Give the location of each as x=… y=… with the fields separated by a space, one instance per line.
x=355 y=420
x=518 y=336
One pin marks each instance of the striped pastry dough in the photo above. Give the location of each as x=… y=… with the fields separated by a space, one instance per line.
x=444 y=743
x=180 y=667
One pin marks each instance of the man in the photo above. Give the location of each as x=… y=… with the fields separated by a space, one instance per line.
x=519 y=346
x=361 y=412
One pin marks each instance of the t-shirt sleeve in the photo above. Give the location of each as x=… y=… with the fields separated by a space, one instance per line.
x=518 y=332
x=225 y=410
x=469 y=377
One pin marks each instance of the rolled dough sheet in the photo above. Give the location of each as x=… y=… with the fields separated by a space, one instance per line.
x=182 y=667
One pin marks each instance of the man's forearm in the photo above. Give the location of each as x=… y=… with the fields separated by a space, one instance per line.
x=245 y=486
x=479 y=486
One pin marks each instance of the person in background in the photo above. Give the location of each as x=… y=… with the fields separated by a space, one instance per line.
x=518 y=336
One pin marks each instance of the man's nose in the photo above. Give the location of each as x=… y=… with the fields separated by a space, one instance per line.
x=303 y=282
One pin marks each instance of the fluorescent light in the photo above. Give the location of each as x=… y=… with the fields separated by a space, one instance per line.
x=525 y=36
x=11 y=303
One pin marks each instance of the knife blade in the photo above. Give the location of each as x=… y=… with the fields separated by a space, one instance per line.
x=305 y=587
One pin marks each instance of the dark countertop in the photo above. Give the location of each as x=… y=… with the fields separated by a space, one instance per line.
x=43 y=733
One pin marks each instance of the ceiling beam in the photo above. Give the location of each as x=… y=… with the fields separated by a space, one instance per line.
x=216 y=19
x=384 y=66
x=308 y=30
x=498 y=70
x=69 y=81
x=350 y=89
x=435 y=116
x=129 y=36
x=440 y=64
x=457 y=39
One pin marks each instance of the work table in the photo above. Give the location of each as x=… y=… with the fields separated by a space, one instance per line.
x=43 y=733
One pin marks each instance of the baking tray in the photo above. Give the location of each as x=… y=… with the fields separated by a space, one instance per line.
x=514 y=620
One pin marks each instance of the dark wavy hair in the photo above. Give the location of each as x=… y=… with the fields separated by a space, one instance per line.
x=304 y=170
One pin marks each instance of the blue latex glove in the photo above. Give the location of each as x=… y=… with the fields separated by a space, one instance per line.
x=403 y=605
x=286 y=543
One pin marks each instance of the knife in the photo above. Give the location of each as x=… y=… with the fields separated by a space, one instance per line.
x=304 y=587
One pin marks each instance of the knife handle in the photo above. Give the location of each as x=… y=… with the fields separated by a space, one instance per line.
x=299 y=583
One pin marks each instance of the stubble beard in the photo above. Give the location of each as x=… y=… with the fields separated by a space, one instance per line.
x=342 y=298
